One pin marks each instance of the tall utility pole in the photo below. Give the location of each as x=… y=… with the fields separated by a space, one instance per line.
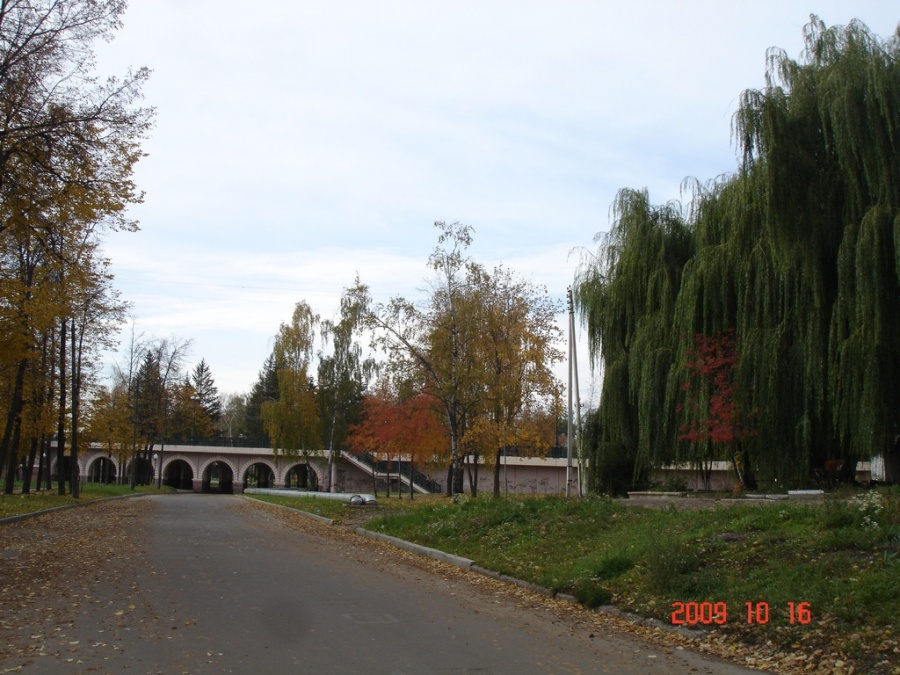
x=571 y=430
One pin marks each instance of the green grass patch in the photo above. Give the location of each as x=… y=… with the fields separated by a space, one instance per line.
x=341 y=511
x=18 y=504
x=327 y=508
x=842 y=556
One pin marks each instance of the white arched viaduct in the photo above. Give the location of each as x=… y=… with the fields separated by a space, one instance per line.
x=194 y=463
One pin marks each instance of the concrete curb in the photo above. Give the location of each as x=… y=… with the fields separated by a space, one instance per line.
x=307 y=514
x=432 y=553
x=35 y=514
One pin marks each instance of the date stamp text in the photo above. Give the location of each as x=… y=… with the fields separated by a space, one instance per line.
x=709 y=613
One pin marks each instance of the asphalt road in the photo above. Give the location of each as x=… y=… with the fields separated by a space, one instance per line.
x=224 y=586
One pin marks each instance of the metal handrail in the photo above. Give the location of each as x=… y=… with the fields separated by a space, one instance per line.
x=421 y=479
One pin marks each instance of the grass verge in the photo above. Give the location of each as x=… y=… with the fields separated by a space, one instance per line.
x=840 y=557
x=18 y=504
x=342 y=512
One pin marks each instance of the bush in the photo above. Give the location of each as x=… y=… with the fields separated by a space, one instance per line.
x=613 y=566
x=613 y=470
x=673 y=566
x=591 y=594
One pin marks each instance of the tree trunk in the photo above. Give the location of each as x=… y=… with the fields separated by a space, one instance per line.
x=61 y=425
x=41 y=462
x=472 y=470
x=456 y=467
x=332 y=464
x=75 y=477
x=847 y=472
x=15 y=412
x=45 y=463
x=749 y=477
x=497 y=457
x=29 y=469
x=159 y=469
x=13 y=464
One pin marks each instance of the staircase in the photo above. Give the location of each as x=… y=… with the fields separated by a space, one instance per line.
x=421 y=483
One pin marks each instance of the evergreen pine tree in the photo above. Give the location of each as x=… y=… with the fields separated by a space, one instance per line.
x=206 y=392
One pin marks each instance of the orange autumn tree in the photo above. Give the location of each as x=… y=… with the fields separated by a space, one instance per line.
x=518 y=344
x=394 y=427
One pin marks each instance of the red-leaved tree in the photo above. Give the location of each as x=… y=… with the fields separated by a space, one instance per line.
x=715 y=415
x=409 y=429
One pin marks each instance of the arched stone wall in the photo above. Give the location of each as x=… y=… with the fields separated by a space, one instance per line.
x=93 y=459
x=265 y=462
x=229 y=462
x=319 y=467
x=281 y=477
x=178 y=473
x=191 y=461
x=200 y=480
x=86 y=457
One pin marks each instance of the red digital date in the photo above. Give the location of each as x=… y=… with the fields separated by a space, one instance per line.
x=692 y=613
x=706 y=613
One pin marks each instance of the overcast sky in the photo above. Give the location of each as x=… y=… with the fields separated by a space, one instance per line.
x=299 y=142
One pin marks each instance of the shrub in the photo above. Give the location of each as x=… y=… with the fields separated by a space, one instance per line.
x=613 y=566
x=590 y=593
x=613 y=470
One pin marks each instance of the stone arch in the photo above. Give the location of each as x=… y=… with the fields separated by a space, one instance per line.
x=218 y=475
x=178 y=473
x=316 y=474
x=67 y=467
x=300 y=476
x=188 y=459
x=261 y=473
x=102 y=469
x=144 y=473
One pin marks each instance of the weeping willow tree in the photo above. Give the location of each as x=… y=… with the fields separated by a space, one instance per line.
x=823 y=140
x=797 y=254
x=627 y=296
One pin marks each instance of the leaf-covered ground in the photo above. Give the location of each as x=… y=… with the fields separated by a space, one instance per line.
x=58 y=566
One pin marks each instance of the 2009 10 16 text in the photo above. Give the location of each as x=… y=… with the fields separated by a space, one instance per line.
x=693 y=613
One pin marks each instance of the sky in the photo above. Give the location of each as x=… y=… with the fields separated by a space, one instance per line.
x=299 y=143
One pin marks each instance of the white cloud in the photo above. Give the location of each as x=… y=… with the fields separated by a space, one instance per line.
x=299 y=142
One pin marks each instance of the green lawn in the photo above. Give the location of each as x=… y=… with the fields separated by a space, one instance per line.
x=18 y=504
x=341 y=511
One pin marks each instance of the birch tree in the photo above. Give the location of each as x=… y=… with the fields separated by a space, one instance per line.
x=342 y=377
x=291 y=420
x=436 y=340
